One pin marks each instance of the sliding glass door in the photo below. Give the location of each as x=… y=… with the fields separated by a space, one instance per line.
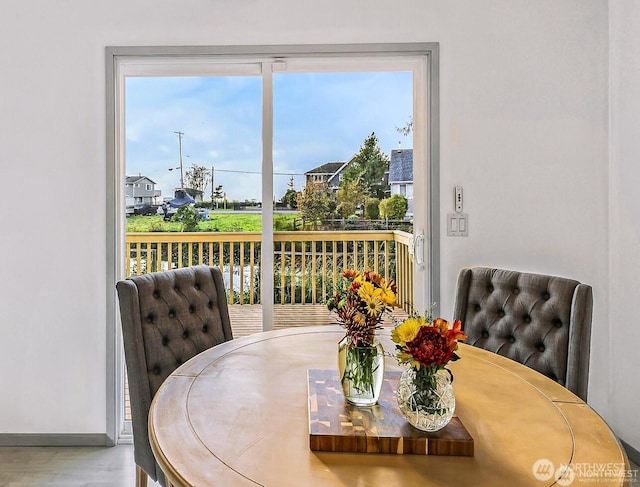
x=285 y=158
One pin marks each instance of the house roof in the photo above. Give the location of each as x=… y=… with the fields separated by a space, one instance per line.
x=135 y=179
x=326 y=168
x=401 y=165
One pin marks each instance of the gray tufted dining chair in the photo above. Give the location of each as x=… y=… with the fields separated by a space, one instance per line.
x=543 y=322
x=167 y=318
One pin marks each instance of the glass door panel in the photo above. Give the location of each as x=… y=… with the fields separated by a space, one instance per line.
x=192 y=170
x=334 y=137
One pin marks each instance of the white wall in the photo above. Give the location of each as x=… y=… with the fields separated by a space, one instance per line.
x=524 y=113
x=624 y=217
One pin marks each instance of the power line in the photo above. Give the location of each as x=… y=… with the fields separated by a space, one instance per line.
x=260 y=172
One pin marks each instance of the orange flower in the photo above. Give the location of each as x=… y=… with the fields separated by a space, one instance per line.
x=350 y=273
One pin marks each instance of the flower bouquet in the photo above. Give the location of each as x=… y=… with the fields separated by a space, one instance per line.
x=359 y=303
x=425 y=395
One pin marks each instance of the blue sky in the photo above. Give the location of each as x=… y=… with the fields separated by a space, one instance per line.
x=318 y=118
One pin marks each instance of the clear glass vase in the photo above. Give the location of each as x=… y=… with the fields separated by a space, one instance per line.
x=361 y=372
x=426 y=398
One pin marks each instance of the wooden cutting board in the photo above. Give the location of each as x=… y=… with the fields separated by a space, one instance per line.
x=336 y=426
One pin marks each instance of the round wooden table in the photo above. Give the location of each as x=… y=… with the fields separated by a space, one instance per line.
x=237 y=415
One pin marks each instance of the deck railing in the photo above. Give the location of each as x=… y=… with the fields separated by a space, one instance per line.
x=306 y=264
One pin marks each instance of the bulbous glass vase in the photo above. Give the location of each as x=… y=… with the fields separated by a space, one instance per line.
x=426 y=398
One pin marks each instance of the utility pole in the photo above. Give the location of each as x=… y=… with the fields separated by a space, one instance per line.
x=180 y=134
x=213 y=188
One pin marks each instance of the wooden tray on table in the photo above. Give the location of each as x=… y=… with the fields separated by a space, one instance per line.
x=336 y=426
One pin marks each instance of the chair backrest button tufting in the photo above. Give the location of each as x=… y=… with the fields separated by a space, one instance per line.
x=547 y=318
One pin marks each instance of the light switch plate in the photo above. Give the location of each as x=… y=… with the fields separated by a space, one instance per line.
x=457 y=225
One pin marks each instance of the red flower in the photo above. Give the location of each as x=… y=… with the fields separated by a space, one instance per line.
x=353 y=288
x=429 y=347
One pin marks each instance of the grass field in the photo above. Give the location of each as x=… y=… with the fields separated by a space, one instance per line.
x=219 y=222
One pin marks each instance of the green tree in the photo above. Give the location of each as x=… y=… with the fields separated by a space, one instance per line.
x=372 y=209
x=216 y=195
x=394 y=208
x=290 y=197
x=316 y=202
x=197 y=177
x=350 y=195
x=368 y=166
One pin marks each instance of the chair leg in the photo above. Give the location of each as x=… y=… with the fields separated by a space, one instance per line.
x=141 y=477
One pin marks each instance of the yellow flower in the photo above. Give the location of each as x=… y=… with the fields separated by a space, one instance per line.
x=405 y=358
x=372 y=298
x=407 y=330
x=374 y=305
x=366 y=290
x=388 y=296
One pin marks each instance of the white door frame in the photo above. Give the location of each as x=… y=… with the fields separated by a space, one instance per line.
x=423 y=59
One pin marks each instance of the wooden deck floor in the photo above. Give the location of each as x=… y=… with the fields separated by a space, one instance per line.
x=247 y=319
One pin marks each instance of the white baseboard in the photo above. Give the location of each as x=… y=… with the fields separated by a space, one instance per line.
x=21 y=439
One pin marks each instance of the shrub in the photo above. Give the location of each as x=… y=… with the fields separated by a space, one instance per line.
x=371 y=209
x=189 y=217
x=394 y=208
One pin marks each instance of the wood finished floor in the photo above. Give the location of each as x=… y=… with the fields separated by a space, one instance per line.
x=68 y=467
x=72 y=467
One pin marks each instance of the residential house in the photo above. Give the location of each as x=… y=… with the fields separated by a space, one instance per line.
x=401 y=175
x=329 y=172
x=141 y=190
x=332 y=172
